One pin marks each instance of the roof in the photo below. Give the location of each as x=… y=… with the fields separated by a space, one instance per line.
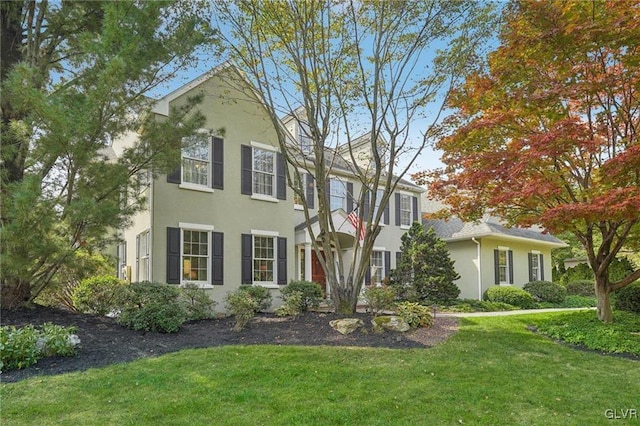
x=455 y=229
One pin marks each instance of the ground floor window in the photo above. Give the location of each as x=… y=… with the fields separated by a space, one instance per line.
x=142 y=257
x=263 y=259
x=377 y=267
x=195 y=256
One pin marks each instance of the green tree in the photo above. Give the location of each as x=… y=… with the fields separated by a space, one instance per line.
x=425 y=269
x=548 y=133
x=74 y=76
x=356 y=68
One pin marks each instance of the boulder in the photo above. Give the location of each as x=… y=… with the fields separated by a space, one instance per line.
x=346 y=325
x=390 y=322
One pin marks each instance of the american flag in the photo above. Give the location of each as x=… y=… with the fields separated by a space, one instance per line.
x=355 y=221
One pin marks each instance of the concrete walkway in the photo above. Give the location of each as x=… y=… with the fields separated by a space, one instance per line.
x=506 y=313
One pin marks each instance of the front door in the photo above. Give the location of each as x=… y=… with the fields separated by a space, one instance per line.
x=317 y=273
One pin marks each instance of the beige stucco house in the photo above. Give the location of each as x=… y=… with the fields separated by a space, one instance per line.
x=227 y=216
x=487 y=253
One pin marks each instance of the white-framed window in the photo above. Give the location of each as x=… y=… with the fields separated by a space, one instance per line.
x=122 y=260
x=377 y=267
x=196 y=160
x=536 y=266
x=337 y=194
x=304 y=137
x=379 y=194
x=298 y=200
x=503 y=266
x=264 y=171
x=142 y=256
x=196 y=250
x=264 y=260
x=405 y=210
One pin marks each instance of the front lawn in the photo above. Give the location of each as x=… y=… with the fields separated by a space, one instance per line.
x=493 y=371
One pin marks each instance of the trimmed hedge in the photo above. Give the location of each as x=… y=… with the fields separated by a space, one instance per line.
x=510 y=295
x=152 y=307
x=311 y=294
x=628 y=298
x=546 y=291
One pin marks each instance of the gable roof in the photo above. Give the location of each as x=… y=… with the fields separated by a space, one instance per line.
x=455 y=229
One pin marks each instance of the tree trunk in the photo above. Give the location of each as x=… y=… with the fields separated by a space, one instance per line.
x=603 y=293
x=14 y=294
x=345 y=299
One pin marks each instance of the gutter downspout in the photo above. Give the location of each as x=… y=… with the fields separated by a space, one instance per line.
x=479 y=268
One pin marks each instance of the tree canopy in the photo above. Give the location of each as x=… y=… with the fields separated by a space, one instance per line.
x=74 y=78
x=346 y=69
x=547 y=133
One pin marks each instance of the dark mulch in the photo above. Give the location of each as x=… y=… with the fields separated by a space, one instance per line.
x=104 y=342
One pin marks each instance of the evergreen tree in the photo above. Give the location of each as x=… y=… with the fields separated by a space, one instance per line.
x=425 y=270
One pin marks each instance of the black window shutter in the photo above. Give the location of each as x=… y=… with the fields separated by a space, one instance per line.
x=282 y=261
x=217 y=164
x=385 y=219
x=281 y=183
x=416 y=218
x=247 y=259
x=349 y=197
x=530 y=256
x=387 y=263
x=175 y=176
x=246 y=184
x=510 y=257
x=398 y=221
x=496 y=265
x=366 y=207
x=217 y=261
x=173 y=255
x=310 y=195
x=398 y=258
x=541 y=266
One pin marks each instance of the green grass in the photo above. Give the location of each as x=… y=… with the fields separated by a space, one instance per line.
x=492 y=372
x=583 y=328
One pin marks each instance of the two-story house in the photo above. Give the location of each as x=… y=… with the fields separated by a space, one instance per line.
x=226 y=217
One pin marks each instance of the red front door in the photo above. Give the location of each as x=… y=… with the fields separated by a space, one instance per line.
x=317 y=273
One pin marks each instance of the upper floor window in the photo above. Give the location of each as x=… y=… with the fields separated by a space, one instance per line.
x=263 y=171
x=196 y=160
x=376 y=206
x=337 y=195
x=405 y=210
x=304 y=137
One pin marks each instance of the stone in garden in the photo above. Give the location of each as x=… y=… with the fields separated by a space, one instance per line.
x=346 y=325
x=390 y=322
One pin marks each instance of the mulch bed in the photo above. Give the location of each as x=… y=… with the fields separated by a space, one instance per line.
x=104 y=342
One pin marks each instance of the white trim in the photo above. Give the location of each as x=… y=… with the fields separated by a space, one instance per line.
x=503 y=248
x=298 y=207
x=535 y=252
x=262 y=233
x=195 y=187
x=262 y=197
x=405 y=227
x=264 y=146
x=376 y=248
x=195 y=226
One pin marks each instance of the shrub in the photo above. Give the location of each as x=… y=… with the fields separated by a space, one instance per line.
x=152 y=307
x=580 y=288
x=198 y=305
x=22 y=347
x=261 y=295
x=379 y=299
x=546 y=291
x=415 y=314
x=291 y=306
x=97 y=295
x=628 y=298
x=509 y=295
x=242 y=306
x=311 y=293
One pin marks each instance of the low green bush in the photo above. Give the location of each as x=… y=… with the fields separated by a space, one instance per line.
x=584 y=328
x=152 y=307
x=580 y=288
x=415 y=314
x=379 y=299
x=23 y=347
x=291 y=306
x=472 y=305
x=242 y=306
x=198 y=305
x=260 y=294
x=570 y=302
x=546 y=291
x=628 y=298
x=311 y=293
x=510 y=295
x=98 y=295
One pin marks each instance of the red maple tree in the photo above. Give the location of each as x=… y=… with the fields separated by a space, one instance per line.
x=547 y=133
